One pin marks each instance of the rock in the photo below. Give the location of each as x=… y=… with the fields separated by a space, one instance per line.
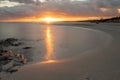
x=9 y=60
x=10 y=42
x=27 y=47
x=12 y=70
x=11 y=39
x=8 y=65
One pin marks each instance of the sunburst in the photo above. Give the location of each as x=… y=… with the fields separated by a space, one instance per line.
x=50 y=19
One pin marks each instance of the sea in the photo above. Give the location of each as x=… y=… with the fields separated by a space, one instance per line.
x=51 y=43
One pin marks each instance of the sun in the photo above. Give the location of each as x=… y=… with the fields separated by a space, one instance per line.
x=50 y=19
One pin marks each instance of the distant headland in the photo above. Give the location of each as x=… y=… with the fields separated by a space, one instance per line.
x=107 y=20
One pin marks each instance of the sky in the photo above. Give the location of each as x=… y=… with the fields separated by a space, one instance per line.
x=34 y=10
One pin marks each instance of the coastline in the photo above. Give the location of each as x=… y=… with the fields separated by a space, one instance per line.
x=97 y=64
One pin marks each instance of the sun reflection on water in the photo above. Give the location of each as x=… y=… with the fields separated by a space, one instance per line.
x=49 y=58
x=48 y=61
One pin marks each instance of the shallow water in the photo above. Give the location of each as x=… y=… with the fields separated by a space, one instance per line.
x=53 y=42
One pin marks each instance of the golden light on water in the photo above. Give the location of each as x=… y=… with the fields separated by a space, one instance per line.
x=49 y=61
x=49 y=58
x=49 y=45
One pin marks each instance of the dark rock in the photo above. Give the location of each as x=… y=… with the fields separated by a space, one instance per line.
x=27 y=47
x=12 y=70
x=3 y=51
x=87 y=78
x=11 y=39
x=9 y=60
x=10 y=42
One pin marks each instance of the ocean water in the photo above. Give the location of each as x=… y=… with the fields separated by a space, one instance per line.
x=53 y=42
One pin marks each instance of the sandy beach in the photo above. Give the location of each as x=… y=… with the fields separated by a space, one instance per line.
x=100 y=62
x=59 y=39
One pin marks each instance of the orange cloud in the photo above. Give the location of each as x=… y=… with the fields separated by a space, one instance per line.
x=57 y=16
x=118 y=10
x=54 y=16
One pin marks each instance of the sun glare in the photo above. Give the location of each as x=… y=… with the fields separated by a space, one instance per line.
x=48 y=62
x=50 y=19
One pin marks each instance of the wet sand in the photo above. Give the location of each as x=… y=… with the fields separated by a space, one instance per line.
x=100 y=63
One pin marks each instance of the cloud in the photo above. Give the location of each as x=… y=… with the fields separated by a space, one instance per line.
x=17 y=12
x=107 y=3
x=23 y=1
x=86 y=8
x=89 y=8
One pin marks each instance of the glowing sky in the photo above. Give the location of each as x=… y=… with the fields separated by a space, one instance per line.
x=68 y=9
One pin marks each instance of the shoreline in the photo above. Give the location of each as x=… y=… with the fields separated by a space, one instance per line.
x=97 y=64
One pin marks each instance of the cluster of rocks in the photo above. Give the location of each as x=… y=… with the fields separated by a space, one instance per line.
x=9 y=61
x=10 y=42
